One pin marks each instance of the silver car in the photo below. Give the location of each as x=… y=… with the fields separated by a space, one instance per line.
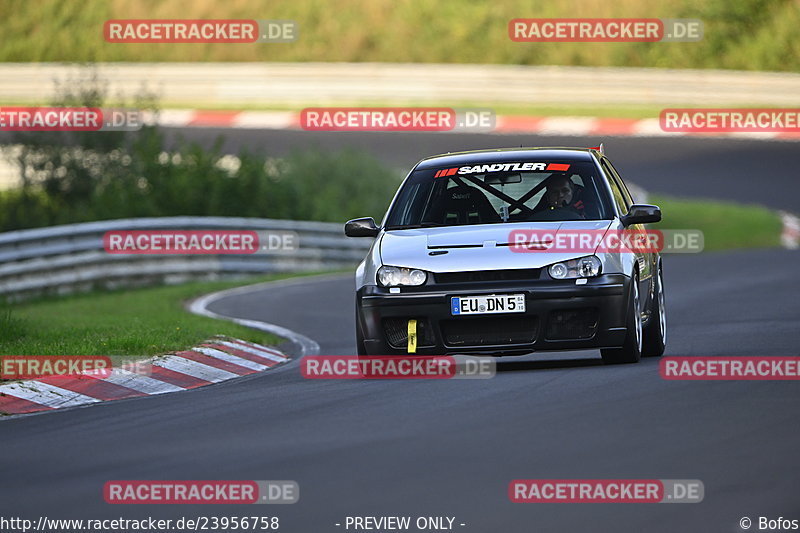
x=507 y=252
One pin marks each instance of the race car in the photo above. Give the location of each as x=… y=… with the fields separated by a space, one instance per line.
x=507 y=252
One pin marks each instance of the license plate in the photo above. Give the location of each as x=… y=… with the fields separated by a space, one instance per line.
x=484 y=305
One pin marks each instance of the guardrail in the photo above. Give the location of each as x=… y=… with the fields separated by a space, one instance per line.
x=300 y=84
x=71 y=258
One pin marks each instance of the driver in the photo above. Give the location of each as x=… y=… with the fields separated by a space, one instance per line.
x=561 y=192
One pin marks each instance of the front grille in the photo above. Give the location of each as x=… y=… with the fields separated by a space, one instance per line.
x=396 y=331
x=487 y=331
x=487 y=275
x=572 y=324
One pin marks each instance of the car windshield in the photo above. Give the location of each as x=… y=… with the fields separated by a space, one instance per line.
x=500 y=193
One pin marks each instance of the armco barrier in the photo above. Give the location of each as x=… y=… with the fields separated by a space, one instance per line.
x=71 y=258
x=234 y=85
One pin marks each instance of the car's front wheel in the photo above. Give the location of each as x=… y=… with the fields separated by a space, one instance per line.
x=655 y=333
x=631 y=351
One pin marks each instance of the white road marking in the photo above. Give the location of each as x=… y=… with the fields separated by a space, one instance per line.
x=217 y=354
x=261 y=353
x=194 y=369
x=140 y=383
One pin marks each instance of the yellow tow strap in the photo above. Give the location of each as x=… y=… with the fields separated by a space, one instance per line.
x=412 y=336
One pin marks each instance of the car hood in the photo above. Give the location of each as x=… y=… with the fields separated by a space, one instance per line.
x=472 y=248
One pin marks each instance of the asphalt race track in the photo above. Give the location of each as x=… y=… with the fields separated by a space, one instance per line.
x=450 y=448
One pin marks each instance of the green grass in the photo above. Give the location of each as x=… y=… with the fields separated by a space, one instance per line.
x=738 y=34
x=725 y=225
x=11 y=326
x=139 y=322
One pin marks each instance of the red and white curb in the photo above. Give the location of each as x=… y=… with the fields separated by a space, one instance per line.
x=216 y=360
x=505 y=124
x=790 y=236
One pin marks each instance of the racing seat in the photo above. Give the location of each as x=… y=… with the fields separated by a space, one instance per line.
x=465 y=205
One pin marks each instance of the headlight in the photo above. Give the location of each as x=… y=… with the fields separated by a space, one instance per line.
x=584 y=267
x=389 y=276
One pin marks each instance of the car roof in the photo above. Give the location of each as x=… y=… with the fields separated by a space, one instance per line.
x=498 y=155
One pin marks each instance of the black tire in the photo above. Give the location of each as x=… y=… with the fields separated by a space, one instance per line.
x=631 y=350
x=654 y=335
x=360 y=348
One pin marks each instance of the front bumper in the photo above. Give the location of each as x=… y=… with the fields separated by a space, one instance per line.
x=559 y=315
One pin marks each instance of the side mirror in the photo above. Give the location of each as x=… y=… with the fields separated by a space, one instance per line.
x=642 y=214
x=361 y=227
